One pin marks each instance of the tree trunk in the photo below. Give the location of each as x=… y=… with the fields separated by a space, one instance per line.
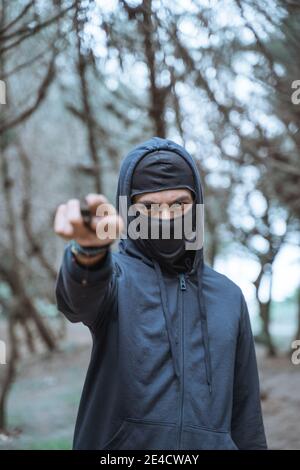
x=10 y=371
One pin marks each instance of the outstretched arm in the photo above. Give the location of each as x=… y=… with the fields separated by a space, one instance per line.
x=86 y=285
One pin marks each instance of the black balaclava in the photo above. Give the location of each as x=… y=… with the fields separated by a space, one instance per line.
x=157 y=171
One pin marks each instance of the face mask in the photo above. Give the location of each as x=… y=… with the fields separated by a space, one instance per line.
x=166 y=240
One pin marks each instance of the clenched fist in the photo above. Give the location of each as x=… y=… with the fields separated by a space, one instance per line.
x=106 y=225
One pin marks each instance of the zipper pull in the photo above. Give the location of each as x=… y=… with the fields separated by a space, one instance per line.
x=182 y=282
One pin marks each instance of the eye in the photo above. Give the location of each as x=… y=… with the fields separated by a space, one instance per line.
x=176 y=209
x=178 y=206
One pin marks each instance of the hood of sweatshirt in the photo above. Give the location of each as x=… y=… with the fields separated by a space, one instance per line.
x=124 y=188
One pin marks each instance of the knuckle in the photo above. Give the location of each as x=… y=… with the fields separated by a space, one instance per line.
x=60 y=232
x=73 y=201
x=75 y=220
x=60 y=208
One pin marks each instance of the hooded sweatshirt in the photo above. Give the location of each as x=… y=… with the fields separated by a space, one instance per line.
x=173 y=362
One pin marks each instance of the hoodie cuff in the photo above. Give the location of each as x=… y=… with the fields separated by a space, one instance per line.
x=88 y=275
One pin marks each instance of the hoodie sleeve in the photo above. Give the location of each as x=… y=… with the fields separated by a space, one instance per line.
x=85 y=294
x=247 y=426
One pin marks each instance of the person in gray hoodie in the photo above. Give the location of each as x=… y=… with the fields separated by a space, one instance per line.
x=173 y=362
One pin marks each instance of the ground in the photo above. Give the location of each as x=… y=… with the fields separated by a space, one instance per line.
x=43 y=403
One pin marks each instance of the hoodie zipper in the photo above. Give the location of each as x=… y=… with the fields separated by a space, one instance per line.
x=182 y=285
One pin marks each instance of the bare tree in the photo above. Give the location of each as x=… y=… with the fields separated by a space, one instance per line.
x=20 y=310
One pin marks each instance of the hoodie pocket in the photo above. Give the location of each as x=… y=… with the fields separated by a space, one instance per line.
x=197 y=438
x=142 y=434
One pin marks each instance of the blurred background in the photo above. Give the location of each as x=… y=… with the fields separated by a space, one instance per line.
x=81 y=83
